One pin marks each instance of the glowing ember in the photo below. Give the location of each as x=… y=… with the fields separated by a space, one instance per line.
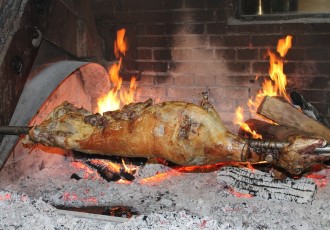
x=117 y=96
x=121 y=181
x=6 y=196
x=88 y=172
x=160 y=177
x=240 y=195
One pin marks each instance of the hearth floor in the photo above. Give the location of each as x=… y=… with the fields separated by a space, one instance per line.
x=180 y=201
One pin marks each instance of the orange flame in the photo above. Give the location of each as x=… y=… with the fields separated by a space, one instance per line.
x=239 y=121
x=284 y=45
x=120 y=46
x=117 y=95
x=277 y=85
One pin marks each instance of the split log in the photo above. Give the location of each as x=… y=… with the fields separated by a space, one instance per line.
x=308 y=109
x=285 y=114
x=271 y=131
x=260 y=184
x=183 y=133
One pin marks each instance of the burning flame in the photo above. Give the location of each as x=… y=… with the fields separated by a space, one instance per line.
x=117 y=95
x=239 y=121
x=277 y=85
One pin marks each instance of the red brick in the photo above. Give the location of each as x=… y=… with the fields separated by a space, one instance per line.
x=189 y=41
x=153 y=92
x=153 y=41
x=293 y=28
x=163 y=80
x=320 y=83
x=182 y=54
x=162 y=54
x=173 y=4
x=295 y=54
x=192 y=4
x=250 y=29
x=230 y=40
x=143 y=54
x=194 y=16
x=314 y=40
x=154 y=29
x=146 y=80
x=216 y=28
x=270 y=28
x=184 y=80
x=247 y=54
x=205 y=80
x=227 y=54
x=313 y=95
x=318 y=53
x=153 y=66
x=215 y=4
x=265 y=40
x=260 y=67
x=190 y=67
x=228 y=105
x=239 y=67
x=233 y=93
x=183 y=92
x=203 y=54
x=190 y=28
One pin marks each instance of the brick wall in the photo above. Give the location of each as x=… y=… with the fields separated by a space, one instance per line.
x=184 y=47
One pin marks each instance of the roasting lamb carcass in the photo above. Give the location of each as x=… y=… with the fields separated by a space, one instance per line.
x=183 y=133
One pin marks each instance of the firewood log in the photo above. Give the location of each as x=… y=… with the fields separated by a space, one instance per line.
x=284 y=113
x=271 y=131
x=183 y=133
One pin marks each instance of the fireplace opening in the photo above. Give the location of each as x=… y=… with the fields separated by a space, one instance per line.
x=195 y=52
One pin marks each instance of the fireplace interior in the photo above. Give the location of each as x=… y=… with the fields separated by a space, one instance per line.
x=182 y=50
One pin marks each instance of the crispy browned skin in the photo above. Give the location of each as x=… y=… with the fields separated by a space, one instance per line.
x=183 y=133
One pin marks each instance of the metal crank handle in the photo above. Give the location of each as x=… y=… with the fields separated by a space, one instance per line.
x=277 y=145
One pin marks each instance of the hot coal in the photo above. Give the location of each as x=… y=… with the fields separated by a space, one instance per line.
x=105 y=172
x=75 y=176
x=101 y=163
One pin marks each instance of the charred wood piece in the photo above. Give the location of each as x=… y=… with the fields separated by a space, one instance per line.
x=105 y=172
x=283 y=113
x=260 y=184
x=109 y=168
x=308 y=109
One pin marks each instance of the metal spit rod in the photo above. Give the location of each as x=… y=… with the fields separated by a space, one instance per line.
x=263 y=144
x=269 y=144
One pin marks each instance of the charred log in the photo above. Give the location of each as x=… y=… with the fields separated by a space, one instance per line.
x=260 y=184
x=285 y=114
x=308 y=109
